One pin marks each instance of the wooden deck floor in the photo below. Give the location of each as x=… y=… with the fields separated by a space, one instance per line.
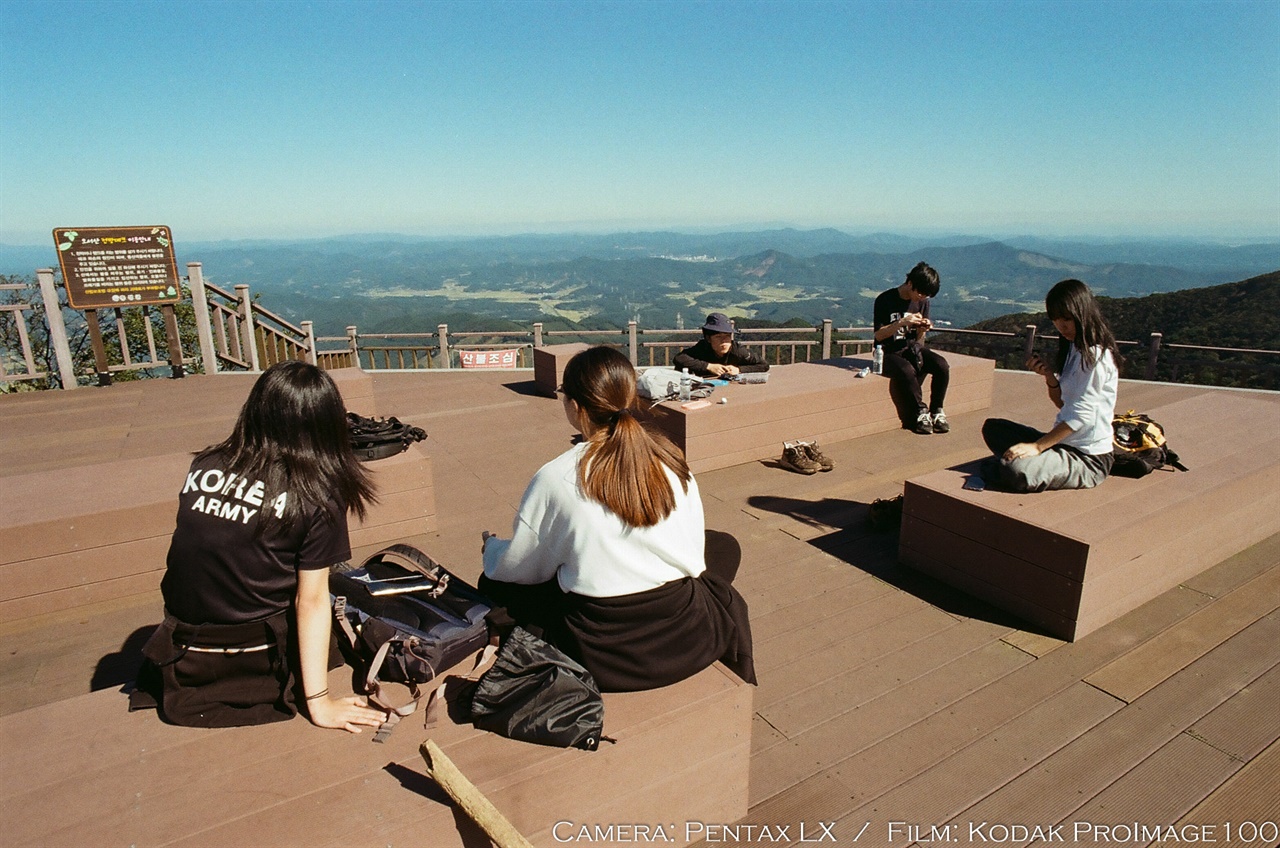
x=891 y=709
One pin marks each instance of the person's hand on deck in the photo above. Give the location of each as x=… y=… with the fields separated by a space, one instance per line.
x=351 y=713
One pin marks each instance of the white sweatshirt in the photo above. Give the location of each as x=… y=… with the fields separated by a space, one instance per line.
x=1088 y=401
x=559 y=532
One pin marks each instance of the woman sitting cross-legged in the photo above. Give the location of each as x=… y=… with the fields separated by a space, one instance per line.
x=1082 y=382
x=609 y=557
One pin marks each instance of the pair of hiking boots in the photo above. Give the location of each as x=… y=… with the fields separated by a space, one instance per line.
x=805 y=458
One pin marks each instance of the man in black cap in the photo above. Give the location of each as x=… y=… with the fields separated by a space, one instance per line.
x=718 y=355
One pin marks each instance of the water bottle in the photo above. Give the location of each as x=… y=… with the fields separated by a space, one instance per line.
x=877 y=360
x=686 y=385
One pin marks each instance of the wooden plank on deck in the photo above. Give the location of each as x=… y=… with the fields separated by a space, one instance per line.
x=1050 y=791
x=1248 y=798
x=1158 y=659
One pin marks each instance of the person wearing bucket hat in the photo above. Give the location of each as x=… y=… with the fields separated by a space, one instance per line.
x=718 y=355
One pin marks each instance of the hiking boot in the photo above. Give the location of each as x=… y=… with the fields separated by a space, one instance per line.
x=796 y=458
x=815 y=453
x=924 y=424
x=940 y=424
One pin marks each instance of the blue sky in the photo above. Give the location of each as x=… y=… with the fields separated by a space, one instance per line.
x=299 y=119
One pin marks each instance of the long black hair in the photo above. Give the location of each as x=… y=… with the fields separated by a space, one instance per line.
x=1071 y=299
x=292 y=435
x=623 y=464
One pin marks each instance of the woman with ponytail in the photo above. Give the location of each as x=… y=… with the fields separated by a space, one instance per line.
x=609 y=556
x=1081 y=382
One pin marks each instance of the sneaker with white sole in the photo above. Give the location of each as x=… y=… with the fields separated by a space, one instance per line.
x=796 y=458
x=924 y=424
x=940 y=424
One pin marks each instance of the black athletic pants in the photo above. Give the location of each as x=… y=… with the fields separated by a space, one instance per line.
x=907 y=371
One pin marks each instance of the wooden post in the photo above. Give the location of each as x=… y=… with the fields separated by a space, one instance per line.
x=442 y=333
x=99 y=348
x=309 y=330
x=1153 y=353
x=176 y=371
x=1029 y=347
x=826 y=339
x=633 y=347
x=57 y=328
x=204 y=328
x=353 y=345
x=537 y=334
x=248 y=332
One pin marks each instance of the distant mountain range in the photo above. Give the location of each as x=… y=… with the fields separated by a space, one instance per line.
x=664 y=279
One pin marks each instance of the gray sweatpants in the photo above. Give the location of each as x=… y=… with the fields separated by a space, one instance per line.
x=1059 y=467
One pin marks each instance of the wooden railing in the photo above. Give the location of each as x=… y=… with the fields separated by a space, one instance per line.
x=137 y=326
x=235 y=330
x=23 y=355
x=645 y=347
x=1149 y=360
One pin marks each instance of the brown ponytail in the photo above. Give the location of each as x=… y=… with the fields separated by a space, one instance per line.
x=623 y=466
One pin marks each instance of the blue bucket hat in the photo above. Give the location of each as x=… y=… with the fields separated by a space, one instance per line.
x=717 y=322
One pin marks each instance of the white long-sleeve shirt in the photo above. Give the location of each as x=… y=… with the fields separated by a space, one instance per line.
x=559 y=532
x=1088 y=401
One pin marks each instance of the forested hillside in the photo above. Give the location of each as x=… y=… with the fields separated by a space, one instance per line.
x=1236 y=315
x=1244 y=314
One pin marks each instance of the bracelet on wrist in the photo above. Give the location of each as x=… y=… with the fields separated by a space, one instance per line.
x=318 y=695
x=1054 y=386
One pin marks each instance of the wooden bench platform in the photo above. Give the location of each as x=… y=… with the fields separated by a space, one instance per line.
x=84 y=771
x=549 y=363
x=1073 y=561
x=822 y=400
x=99 y=531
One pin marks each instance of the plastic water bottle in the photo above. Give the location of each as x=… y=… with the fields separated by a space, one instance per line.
x=877 y=360
x=686 y=385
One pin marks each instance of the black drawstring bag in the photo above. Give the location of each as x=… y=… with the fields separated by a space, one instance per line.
x=534 y=693
x=378 y=438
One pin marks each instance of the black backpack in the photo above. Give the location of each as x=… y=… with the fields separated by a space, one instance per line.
x=1139 y=446
x=378 y=438
x=533 y=692
x=406 y=619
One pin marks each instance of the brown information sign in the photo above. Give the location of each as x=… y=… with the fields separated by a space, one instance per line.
x=117 y=266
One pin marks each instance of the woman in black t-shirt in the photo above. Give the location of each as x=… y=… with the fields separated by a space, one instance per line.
x=261 y=517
